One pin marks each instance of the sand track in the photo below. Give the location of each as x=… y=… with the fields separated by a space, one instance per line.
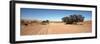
x=55 y=28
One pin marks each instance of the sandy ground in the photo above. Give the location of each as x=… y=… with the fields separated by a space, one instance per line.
x=55 y=28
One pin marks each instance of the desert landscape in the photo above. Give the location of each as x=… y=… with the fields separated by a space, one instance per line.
x=54 y=21
x=56 y=28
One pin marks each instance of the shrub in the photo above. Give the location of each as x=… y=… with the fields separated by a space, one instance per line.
x=45 y=22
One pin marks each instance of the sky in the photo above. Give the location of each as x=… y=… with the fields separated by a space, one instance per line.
x=51 y=14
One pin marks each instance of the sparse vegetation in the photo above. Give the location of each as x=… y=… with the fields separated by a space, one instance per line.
x=26 y=23
x=40 y=27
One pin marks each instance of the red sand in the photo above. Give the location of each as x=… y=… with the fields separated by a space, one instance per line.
x=55 y=28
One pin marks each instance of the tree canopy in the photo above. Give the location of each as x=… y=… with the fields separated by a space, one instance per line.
x=73 y=19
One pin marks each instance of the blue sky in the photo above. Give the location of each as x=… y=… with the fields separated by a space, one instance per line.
x=51 y=14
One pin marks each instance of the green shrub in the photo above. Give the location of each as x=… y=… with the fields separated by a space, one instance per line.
x=73 y=19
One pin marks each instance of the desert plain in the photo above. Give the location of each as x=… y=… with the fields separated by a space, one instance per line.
x=56 y=28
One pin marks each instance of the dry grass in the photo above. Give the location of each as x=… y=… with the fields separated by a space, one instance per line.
x=55 y=28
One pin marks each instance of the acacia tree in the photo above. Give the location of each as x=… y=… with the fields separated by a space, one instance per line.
x=73 y=19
